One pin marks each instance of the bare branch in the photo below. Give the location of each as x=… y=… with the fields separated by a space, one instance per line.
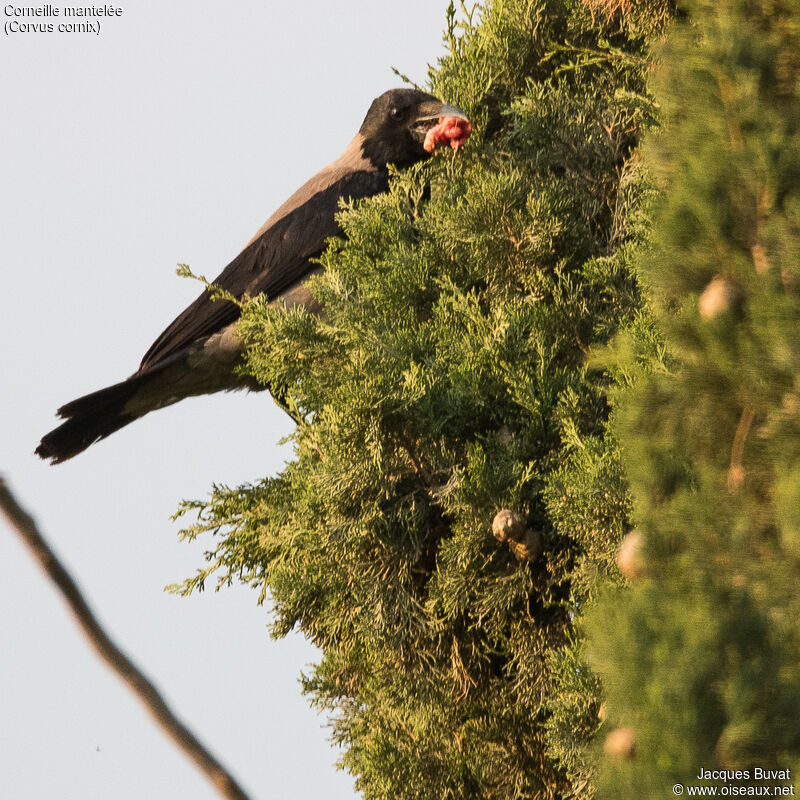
x=113 y=656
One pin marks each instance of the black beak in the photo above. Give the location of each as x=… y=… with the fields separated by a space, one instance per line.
x=435 y=111
x=430 y=113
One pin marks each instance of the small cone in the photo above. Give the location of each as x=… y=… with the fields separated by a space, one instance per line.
x=719 y=297
x=629 y=555
x=620 y=743
x=529 y=548
x=505 y=436
x=508 y=526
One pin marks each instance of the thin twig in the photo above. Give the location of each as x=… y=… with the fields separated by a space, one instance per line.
x=736 y=470
x=111 y=654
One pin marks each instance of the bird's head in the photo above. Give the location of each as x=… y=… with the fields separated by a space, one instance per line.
x=404 y=126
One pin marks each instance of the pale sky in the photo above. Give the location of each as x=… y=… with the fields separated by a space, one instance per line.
x=168 y=138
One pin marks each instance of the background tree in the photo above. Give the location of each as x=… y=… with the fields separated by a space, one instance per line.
x=700 y=656
x=449 y=381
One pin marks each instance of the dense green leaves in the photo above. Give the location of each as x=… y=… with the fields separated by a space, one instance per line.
x=447 y=379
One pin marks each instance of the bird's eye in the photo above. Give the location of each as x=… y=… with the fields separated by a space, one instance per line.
x=396 y=114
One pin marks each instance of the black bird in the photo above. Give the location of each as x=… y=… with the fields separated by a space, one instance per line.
x=198 y=351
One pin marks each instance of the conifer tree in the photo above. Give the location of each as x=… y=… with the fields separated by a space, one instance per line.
x=700 y=655
x=455 y=499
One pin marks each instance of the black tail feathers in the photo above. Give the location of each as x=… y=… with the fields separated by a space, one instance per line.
x=89 y=419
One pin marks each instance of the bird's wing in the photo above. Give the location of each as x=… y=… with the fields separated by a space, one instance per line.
x=274 y=260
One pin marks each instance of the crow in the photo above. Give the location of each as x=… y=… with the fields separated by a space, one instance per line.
x=198 y=352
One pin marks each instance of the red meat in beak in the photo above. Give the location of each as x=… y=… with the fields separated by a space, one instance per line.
x=449 y=130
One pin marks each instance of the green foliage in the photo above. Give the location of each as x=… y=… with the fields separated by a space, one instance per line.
x=448 y=379
x=701 y=655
